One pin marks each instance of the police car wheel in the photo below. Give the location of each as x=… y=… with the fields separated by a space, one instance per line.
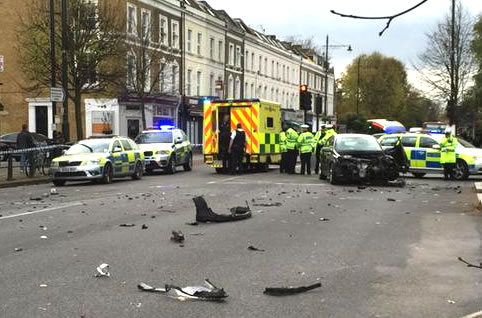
x=108 y=174
x=172 y=166
x=138 y=170
x=418 y=175
x=188 y=165
x=461 y=170
x=58 y=183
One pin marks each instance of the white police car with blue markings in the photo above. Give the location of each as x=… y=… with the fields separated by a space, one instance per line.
x=165 y=148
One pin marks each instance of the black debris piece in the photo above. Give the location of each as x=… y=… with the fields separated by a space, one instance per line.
x=144 y=227
x=35 y=198
x=252 y=248
x=268 y=204
x=18 y=249
x=361 y=187
x=209 y=293
x=391 y=200
x=127 y=225
x=324 y=219
x=470 y=264
x=286 y=291
x=177 y=236
x=205 y=214
x=192 y=223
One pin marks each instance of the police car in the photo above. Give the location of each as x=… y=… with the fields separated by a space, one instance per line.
x=423 y=152
x=165 y=148
x=98 y=160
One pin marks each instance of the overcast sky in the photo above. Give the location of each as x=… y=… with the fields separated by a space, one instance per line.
x=404 y=39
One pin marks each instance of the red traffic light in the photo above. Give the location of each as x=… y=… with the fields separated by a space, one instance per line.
x=303 y=88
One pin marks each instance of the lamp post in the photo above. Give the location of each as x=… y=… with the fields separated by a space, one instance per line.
x=358 y=87
x=53 y=63
x=326 y=65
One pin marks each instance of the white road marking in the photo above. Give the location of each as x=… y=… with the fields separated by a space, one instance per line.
x=41 y=211
x=224 y=180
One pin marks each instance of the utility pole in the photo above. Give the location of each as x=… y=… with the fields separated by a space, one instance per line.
x=325 y=110
x=453 y=91
x=53 y=63
x=183 y=105
x=358 y=87
x=65 y=84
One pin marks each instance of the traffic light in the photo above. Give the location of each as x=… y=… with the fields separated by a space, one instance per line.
x=305 y=97
x=318 y=104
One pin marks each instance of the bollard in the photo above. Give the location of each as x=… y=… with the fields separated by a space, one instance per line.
x=10 y=168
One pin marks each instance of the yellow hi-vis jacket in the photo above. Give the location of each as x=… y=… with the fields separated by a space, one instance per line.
x=448 y=146
x=291 y=139
x=282 y=141
x=305 y=142
x=328 y=134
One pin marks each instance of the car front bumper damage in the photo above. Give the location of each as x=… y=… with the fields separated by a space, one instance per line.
x=88 y=172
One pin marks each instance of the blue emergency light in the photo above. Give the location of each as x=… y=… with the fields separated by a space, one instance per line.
x=166 y=127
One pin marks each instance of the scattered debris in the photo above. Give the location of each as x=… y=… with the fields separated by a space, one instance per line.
x=127 y=225
x=177 y=236
x=18 y=249
x=144 y=227
x=43 y=285
x=470 y=264
x=193 y=223
x=286 y=291
x=205 y=214
x=252 y=248
x=277 y=204
x=53 y=191
x=35 y=198
x=450 y=301
x=391 y=200
x=324 y=219
x=209 y=293
x=44 y=237
x=196 y=234
x=102 y=270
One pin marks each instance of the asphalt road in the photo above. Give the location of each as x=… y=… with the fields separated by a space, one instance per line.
x=383 y=252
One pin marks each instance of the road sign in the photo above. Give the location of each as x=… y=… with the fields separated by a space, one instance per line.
x=57 y=94
x=219 y=85
x=2 y=60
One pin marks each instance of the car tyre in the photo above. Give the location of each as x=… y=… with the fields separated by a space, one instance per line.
x=171 y=169
x=138 y=171
x=418 y=175
x=461 y=170
x=59 y=183
x=331 y=175
x=188 y=165
x=108 y=174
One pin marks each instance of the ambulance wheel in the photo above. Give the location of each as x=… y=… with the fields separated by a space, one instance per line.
x=58 y=183
x=220 y=170
x=461 y=170
x=171 y=169
x=138 y=171
x=188 y=165
x=108 y=174
x=418 y=175
x=263 y=167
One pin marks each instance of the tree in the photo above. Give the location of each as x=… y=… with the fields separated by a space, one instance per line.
x=446 y=78
x=149 y=73
x=96 y=47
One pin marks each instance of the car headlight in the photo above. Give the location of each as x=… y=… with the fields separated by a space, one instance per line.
x=162 y=152
x=92 y=163
x=478 y=160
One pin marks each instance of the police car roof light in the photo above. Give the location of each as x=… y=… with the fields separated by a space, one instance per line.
x=167 y=127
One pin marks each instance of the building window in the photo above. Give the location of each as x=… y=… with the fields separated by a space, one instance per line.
x=230 y=87
x=238 y=88
x=199 y=43
x=265 y=94
x=162 y=76
x=175 y=34
x=252 y=91
x=211 y=48
x=220 y=51
x=131 y=19
x=238 y=56
x=189 y=40
x=188 y=83
x=288 y=74
x=272 y=69
x=175 y=78
x=284 y=73
x=252 y=62
x=211 y=85
x=260 y=60
x=277 y=71
x=245 y=93
x=198 y=83
x=266 y=66
x=163 y=30
x=146 y=24
x=246 y=61
x=231 y=54
x=147 y=75
x=272 y=93
x=131 y=71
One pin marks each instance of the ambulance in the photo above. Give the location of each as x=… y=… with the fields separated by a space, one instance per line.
x=261 y=121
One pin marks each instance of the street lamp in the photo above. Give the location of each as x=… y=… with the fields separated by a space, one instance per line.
x=328 y=46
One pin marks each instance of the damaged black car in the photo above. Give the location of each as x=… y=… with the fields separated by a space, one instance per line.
x=358 y=158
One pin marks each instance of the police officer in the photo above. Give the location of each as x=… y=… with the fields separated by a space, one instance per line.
x=283 y=149
x=305 y=145
x=291 y=144
x=224 y=139
x=24 y=141
x=329 y=132
x=237 y=147
x=318 y=136
x=448 y=157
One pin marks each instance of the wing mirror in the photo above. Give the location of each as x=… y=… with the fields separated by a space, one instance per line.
x=117 y=149
x=436 y=147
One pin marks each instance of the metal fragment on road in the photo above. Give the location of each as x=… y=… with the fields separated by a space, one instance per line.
x=177 y=236
x=53 y=191
x=324 y=219
x=209 y=293
x=18 y=249
x=144 y=227
x=252 y=248
x=102 y=270
x=127 y=225
x=286 y=291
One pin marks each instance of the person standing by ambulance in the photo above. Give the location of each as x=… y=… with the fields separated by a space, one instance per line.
x=291 y=144
x=305 y=145
x=237 y=149
x=318 y=136
x=283 y=149
x=448 y=158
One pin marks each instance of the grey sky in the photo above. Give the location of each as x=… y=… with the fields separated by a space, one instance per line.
x=404 y=39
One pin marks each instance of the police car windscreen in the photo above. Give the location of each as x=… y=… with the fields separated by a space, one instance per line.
x=357 y=144
x=89 y=146
x=154 y=138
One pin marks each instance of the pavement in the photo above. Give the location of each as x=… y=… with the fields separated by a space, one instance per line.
x=379 y=252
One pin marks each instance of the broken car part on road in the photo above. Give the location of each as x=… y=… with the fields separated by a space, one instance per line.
x=102 y=270
x=470 y=264
x=177 y=236
x=286 y=291
x=205 y=214
x=209 y=293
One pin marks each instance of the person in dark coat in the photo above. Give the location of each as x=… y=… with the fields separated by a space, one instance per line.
x=224 y=139
x=237 y=148
x=24 y=141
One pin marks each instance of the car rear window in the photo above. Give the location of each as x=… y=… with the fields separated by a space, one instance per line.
x=409 y=141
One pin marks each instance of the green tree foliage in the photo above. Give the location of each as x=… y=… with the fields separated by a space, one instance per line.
x=355 y=123
x=378 y=84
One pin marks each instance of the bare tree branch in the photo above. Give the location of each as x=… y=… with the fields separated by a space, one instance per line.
x=389 y=18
